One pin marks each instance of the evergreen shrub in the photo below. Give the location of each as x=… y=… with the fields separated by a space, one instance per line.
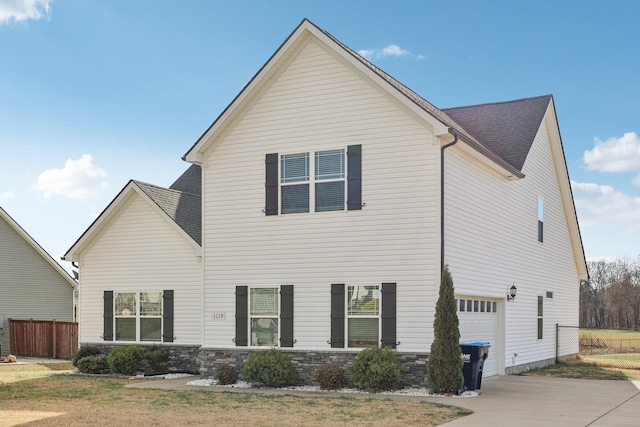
x=84 y=351
x=271 y=368
x=157 y=358
x=444 y=367
x=97 y=364
x=377 y=369
x=125 y=360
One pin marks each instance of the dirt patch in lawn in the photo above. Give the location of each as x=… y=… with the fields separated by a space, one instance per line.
x=105 y=402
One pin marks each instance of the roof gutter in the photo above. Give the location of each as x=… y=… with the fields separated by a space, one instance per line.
x=444 y=147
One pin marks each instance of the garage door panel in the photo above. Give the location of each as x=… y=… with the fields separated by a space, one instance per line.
x=477 y=325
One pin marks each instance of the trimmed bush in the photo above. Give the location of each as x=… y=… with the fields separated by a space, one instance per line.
x=84 y=351
x=157 y=358
x=226 y=374
x=377 y=369
x=271 y=368
x=330 y=376
x=93 y=364
x=125 y=360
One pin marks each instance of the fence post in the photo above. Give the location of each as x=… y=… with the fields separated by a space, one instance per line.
x=53 y=334
x=32 y=339
x=557 y=341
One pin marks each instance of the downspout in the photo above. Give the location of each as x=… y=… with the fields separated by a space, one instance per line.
x=444 y=147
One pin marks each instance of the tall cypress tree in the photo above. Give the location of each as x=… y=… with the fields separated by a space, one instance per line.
x=444 y=368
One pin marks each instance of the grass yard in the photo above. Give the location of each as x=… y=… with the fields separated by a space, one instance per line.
x=83 y=400
x=609 y=341
x=10 y=373
x=584 y=369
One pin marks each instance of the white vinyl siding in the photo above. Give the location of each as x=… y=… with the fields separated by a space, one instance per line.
x=30 y=287
x=139 y=251
x=490 y=231
x=317 y=103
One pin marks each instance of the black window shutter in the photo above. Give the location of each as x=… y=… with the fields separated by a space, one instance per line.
x=167 y=316
x=107 y=333
x=242 y=307
x=354 y=177
x=337 y=316
x=389 y=315
x=540 y=231
x=286 y=316
x=271 y=184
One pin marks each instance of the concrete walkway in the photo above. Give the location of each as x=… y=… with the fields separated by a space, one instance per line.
x=508 y=401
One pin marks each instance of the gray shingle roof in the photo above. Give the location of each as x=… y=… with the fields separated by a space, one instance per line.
x=190 y=181
x=506 y=128
x=183 y=207
x=507 y=142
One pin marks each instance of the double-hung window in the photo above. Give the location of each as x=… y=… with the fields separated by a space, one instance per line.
x=264 y=314
x=294 y=183
x=320 y=183
x=363 y=316
x=316 y=181
x=138 y=316
x=329 y=180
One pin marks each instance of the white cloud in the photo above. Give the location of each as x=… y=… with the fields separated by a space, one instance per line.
x=602 y=205
x=7 y=195
x=391 y=50
x=79 y=179
x=615 y=154
x=22 y=10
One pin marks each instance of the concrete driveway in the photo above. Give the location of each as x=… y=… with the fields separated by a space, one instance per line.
x=521 y=401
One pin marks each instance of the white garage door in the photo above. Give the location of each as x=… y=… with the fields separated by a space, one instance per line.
x=479 y=322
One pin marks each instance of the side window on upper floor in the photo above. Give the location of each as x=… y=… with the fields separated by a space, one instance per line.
x=540 y=219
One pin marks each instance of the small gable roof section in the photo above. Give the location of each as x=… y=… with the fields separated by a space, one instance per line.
x=506 y=128
x=180 y=206
x=44 y=254
x=183 y=208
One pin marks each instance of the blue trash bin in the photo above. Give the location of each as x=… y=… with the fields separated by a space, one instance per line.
x=473 y=355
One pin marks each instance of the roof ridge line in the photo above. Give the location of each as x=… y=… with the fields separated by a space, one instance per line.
x=166 y=188
x=500 y=102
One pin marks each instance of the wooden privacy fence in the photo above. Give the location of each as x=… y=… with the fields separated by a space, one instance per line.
x=43 y=338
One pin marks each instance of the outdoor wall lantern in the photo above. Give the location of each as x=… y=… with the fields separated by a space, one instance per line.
x=512 y=293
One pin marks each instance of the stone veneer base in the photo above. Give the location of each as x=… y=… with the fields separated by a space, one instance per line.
x=203 y=361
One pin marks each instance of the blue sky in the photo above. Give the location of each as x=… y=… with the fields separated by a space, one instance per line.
x=95 y=92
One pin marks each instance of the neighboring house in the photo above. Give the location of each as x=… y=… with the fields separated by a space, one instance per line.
x=329 y=206
x=32 y=284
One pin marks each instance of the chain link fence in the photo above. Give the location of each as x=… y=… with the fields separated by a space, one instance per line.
x=604 y=347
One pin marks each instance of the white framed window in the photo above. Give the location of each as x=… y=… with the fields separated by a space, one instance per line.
x=363 y=316
x=317 y=185
x=264 y=315
x=540 y=219
x=138 y=316
x=540 y=317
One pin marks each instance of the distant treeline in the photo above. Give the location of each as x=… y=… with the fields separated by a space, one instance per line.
x=611 y=298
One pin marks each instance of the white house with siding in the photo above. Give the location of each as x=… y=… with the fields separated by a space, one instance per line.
x=331 y=195
x=32 y=284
